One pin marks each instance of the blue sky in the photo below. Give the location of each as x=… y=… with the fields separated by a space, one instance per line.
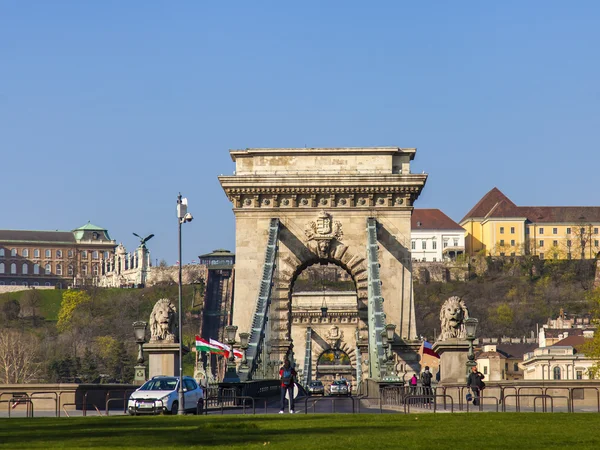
x=109 y=109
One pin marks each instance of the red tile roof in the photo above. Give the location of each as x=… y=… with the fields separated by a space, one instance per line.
x=497 y=205
x=487 y=202
x=572 y=341
x=432 y=219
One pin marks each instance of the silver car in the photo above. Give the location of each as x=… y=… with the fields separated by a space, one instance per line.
x=159 y=395
x=339 y=387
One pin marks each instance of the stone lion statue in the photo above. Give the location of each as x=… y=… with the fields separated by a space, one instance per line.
x=453 y=314
x=163 y=321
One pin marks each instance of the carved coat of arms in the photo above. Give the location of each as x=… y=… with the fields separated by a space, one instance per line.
x=322 y=232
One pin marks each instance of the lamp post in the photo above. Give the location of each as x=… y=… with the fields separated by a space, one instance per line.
x=471 y=330
x=139 y=331
x=182 y=217
x=387 y=338
x=231 y=376
x=244 y=346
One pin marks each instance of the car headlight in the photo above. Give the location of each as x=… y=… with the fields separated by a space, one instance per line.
x=163 y=401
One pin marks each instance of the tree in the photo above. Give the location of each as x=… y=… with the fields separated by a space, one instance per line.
x=18 y=357
x=11 y=310
x=70 y=301
x=31 y=301
x=591 y=349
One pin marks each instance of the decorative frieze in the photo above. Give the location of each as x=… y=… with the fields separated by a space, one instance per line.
x=343 y=200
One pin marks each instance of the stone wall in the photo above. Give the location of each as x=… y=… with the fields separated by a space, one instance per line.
x=426 y=272
x=5 y=289
x=191 y=273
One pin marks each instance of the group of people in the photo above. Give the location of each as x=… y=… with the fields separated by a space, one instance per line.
x=288 y=377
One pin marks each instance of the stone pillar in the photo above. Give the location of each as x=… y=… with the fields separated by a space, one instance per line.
x=163 y=358
x=453 y=360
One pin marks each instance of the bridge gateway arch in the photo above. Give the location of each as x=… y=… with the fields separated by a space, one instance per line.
x=347 y=206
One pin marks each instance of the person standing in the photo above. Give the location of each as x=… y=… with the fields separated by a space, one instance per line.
x=287 y=375
x=426 y=383
x=475 y=384
x=413 y=384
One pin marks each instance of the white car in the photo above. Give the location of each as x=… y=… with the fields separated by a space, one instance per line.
x=159 y=395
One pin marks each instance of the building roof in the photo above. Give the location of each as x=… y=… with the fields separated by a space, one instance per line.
x=90 y=227
x=30 y=236
x=516 y=350
x=498 y=355
x=495 y=204
x=432 y=219
x=554 y=332
x=218 y=252
x=487 y=202
x=572 y=341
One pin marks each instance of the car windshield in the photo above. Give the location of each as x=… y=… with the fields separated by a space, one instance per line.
x=316 y=383
x=162 y=384
x=339 y=383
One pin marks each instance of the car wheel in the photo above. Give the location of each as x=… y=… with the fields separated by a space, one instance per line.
x=200 y=407
x=174 y=408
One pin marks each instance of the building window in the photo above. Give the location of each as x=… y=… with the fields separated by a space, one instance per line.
x=26 y=253
x=512 y=242
x=1 y=267
x=501 y=230
x=515 y=367
x=541 y=243
x=485 y=370
x=59 y=269
x=24 y=283
x=541 y=256
x=456 y=242
x=95 y=270
x=555 y=243
x=424 y=245
x=46 y=284
x=13 y=252
x=527 y=230
x=70 y=254
x=84 y=254
x=24 y=269
x=541 y=230
x=568 y=230
x=70 y=270
x=502 y=254
x=13 y=283
x=434 y=259
x=48 y=269
x=36 y=253
x=568 y=242
x=557 y=373
x=105 y=255
x=512 y=230
x=413 y=245
x=13 y=268
x=596 y=242
x=434 y=245
x=36 y=269
x=1 y=253
x=36 y=283
x=48 y=253
x=554 y=230
x=94 y=254
x=596 y=230
x=501 y=242
x=579 y=375
x=513 y=254
x=84 y=270
x=59 y=254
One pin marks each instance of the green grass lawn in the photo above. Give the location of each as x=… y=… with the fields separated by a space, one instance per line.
x=360 y=431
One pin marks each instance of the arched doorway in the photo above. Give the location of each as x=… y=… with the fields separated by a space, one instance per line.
x=325 y=321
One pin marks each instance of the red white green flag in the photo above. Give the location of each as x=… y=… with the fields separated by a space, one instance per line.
x=202 y=345
x=225 y=349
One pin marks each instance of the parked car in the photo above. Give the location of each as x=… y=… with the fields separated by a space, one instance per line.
x=159 y=395
x=316 y=388
x=339 y=387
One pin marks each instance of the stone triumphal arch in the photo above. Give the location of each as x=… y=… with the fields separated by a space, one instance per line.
x=348 y=206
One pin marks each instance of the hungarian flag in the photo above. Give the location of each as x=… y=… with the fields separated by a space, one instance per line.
x=225 y=349
x=202 y=345
x=428 y=350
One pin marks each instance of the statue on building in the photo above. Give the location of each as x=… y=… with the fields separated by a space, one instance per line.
x=453 y=314
x=163 y=322
x=321 y=233
x=143 y=240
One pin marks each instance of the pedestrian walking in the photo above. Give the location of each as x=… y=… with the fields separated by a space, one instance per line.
x=287 y=375
x=426 y=383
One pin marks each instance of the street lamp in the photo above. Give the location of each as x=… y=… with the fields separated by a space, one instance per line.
x=182 y=217
x=244 y=346
x=471 y=329
x=139 y=331
x=387 y=338
x=231 y=376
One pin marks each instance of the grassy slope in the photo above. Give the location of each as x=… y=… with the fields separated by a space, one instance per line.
x=426 y=431
x=49 y=301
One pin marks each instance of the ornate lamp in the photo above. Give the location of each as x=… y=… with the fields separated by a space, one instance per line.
x=389 y=330
x=244 y=337
x=231 y=376
x=139 y=331
x=471 y=329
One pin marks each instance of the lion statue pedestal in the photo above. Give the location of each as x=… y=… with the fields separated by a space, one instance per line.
x=452 y=345
x=163 y=348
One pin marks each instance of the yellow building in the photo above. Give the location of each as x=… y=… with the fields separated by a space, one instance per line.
x=498 y=227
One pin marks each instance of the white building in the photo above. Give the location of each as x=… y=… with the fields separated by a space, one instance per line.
x=435 y=236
